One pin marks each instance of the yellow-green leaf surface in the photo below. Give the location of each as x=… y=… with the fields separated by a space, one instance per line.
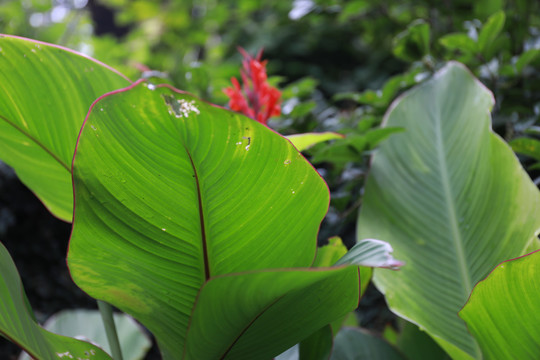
x=259 y=315
x=502 y=312
x=451 y=199
x=307 y=140
x=45 y=93
x=171 y=192
x=18 y=325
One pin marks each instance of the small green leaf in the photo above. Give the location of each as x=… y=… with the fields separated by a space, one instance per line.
x=413 y=43
x=527 y=146
x=526 y=58
x=375 y=136
x=490 y=31
x=328 y=254
x=458 y=41
x=304 y=141
x=18 y=325
x=502 y=311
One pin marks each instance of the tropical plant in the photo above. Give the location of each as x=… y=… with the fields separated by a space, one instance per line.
x=174 y=220
x=202 y=223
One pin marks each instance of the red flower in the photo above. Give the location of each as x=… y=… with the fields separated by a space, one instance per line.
x=258 y=100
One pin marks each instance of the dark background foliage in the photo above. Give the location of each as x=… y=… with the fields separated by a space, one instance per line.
x=338 y=63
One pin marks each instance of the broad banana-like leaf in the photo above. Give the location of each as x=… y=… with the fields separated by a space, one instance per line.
x=182 y=210
x=17 y=323
x=452 y=200
x=259 y=315
x=45 y=93
x=502 y=312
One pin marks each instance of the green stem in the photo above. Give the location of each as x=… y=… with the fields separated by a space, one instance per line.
x=110 y=329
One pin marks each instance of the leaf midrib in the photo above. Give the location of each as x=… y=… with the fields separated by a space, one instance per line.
x=451 y=209
x=201 y=218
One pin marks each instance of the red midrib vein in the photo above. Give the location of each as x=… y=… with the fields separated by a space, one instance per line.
x=201 y=217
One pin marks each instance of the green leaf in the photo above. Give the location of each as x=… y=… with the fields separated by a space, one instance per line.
x=17 y=323
x=490 y=31
x=88 y=324
x=357 y=344
x=526 y=58
x=261 y=314
x=341 y=151
x=307 y=140
x=45 y=93
x=375 y=136
x=415 y=344
x=171 y=192
x=527 y=146
x=451 y=199
x=328 y=254
x=371 y=253
x=458 y=41
x=318 y=346
x=502 y=312
x=413 y=43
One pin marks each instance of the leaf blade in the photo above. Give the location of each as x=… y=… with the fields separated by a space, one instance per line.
x=273 y=311
x=39 y=127
x=428 y=191
x=18 y=325
x=149 y=163
x=502 y=310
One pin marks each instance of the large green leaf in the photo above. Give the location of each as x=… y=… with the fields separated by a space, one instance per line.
x=451 y=198
x=17 y=323
x=259 y=315
x=171 y=192
x=45 y=93
x=502 y=312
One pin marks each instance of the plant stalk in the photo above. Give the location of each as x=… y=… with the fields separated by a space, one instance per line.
x=110 y=329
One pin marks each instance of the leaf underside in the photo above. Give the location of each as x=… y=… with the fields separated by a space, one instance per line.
x=452 y=200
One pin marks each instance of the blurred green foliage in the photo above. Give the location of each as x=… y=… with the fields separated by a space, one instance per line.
x=339 y=63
